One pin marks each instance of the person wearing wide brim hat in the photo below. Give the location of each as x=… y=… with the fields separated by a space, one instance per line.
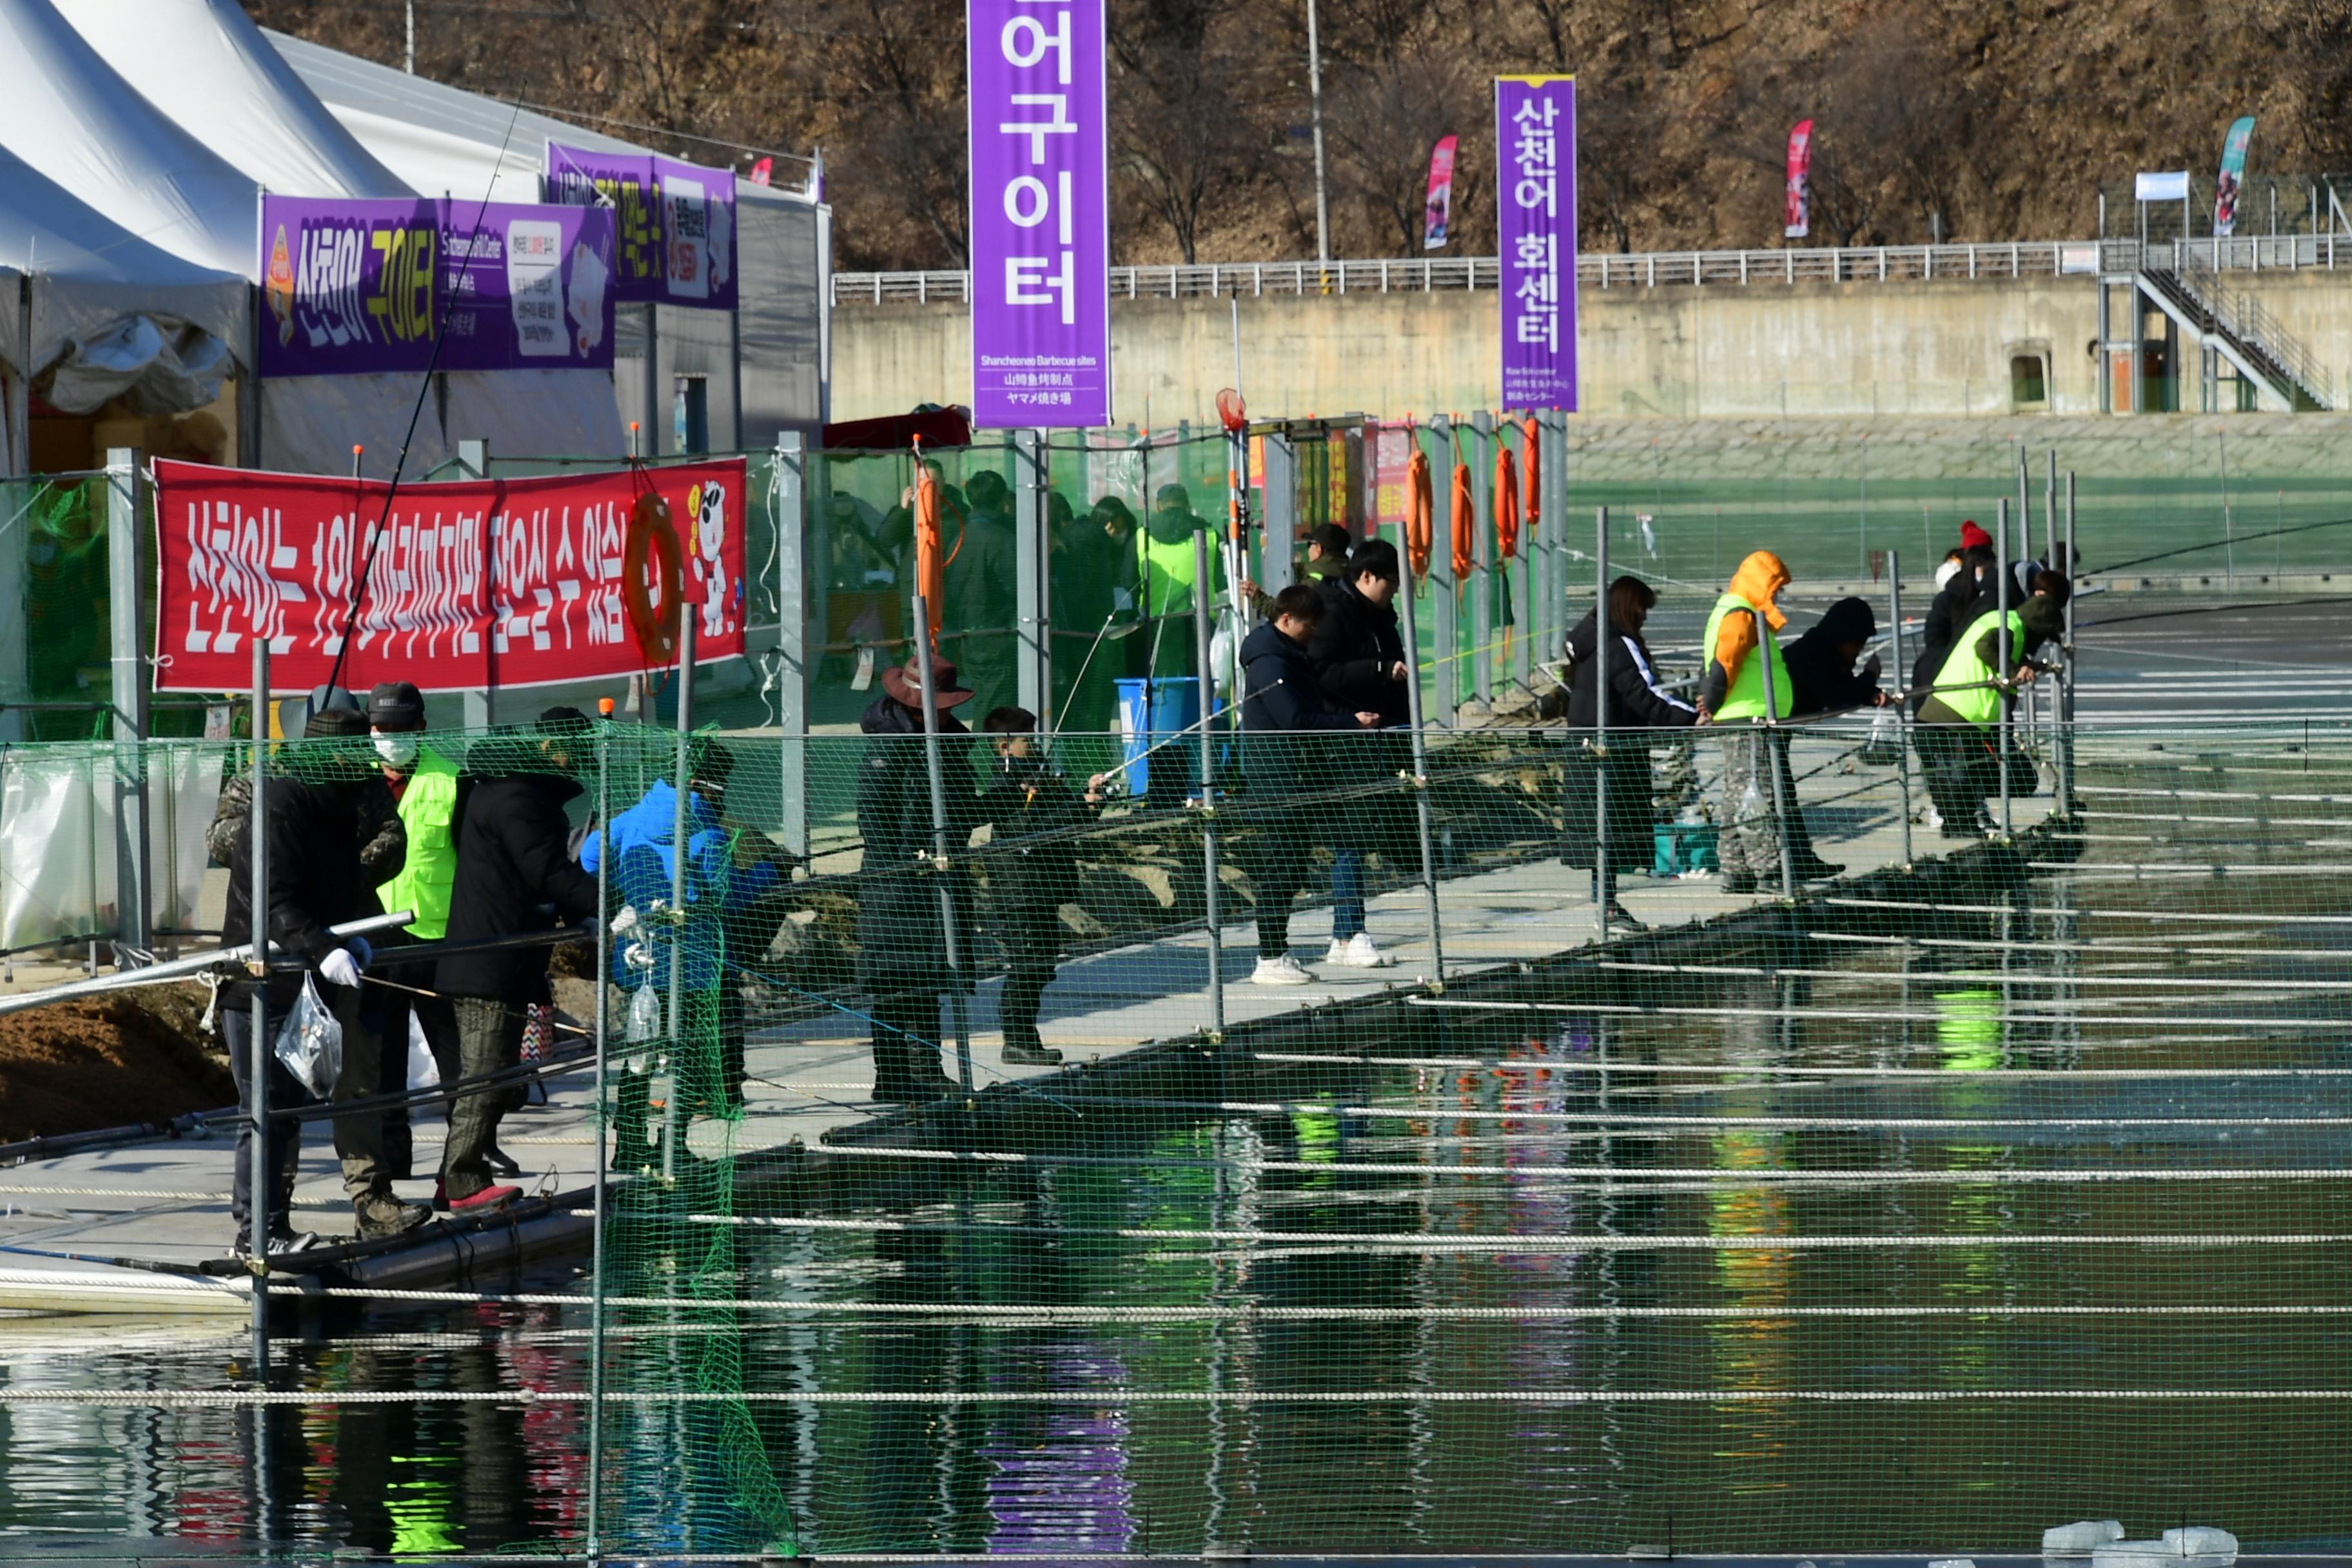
x=904 y=686
x=902 y=944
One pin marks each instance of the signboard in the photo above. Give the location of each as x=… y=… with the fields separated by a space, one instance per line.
x=1534 y=163
x=361 y=287
x=1438 y=209
x=2233 y=176
x=474 y=584
x=1391 y=472
x=1797 y=204
x=2169 y=186
x=1040 y=214
x=674 y=242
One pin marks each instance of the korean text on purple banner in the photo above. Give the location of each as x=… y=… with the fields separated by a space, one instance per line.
x=676 y=222
x=1040 y=214
x=1535 y=162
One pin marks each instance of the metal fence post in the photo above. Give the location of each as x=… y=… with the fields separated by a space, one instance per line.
x=265 y=1185
x=1600 y=899
x=1768 y=743
x=1550 y=587
x=1902 y=706
x=474 y=456
x=595 y=1542
x=1446 y=653
x=673 y=1114
x=1483 y=556
x=133 y=887
x=792 y=638
x=1420 y=780
x=1033 y=641
x=937 y=778
x=1201 y=616
x=1520 y=574
x=2066 y=684
x=2002 y=690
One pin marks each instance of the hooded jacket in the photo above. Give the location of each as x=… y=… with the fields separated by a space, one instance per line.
x=901 y=945
x=1824 y=680
x=316 y=876
x=1755 y=585
x=1636 y=699
x=512 y=863
x=1355 y=649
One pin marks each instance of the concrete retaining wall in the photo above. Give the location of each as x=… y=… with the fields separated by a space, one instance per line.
x=1763 y=351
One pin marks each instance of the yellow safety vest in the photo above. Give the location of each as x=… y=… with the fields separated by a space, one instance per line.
x=428 y=810
x=1963 y=685
x=1745 y=698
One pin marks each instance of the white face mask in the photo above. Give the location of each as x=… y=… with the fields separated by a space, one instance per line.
x=398 y=750
x=1946 y=571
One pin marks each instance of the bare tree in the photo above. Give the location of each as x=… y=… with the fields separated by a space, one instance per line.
x=1380 y=121
x=1186 y=139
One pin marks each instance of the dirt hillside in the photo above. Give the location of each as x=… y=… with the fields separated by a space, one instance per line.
x=108 y=1062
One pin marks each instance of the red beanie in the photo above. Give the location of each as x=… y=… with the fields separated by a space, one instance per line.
x=1974 y=538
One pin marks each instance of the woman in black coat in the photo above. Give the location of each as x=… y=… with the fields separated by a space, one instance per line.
x=1637 y=703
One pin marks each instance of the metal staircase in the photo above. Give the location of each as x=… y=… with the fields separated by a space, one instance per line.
x=2236 y=327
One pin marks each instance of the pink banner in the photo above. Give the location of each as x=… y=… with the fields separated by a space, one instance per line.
x=1797 y=212
x=474 y=584
x=1437 y=211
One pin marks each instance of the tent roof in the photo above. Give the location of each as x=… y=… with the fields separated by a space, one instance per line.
x=68 y=114
x=89 y=272
x=441 y=139
x=205 y=64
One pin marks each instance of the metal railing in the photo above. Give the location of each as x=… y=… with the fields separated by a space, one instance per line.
x=1653 y=270
x=2244 y=317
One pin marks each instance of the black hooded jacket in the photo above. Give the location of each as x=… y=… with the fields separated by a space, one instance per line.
x=513 y=861
x=1826 y=680
x=316 y=877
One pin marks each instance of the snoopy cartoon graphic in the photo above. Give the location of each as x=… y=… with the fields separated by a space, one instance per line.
x=707 y=502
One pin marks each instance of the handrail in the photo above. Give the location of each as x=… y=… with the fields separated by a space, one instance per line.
x=2006 y=260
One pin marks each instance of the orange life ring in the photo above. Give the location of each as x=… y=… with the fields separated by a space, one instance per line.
x=651 y=541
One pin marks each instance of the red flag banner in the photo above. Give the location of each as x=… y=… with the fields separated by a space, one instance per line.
x=1797 y=214
x=1437 y=208
x=474 y=584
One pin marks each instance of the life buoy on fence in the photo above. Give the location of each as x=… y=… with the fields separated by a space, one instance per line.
x=1418 y=540
x=1506 y=503
x=651 y=542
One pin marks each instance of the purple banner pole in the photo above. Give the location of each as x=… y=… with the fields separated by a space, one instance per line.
x=1040 y=214
x=357 y=287
x=676 y=221
x=1535 y=166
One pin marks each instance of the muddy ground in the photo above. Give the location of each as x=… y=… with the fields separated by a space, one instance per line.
x=108 y=1062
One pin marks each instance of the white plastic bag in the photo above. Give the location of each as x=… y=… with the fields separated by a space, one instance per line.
x=423 y=1072
x=310 y=1042
x=645 y=1015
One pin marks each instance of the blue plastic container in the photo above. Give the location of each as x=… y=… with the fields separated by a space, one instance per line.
x=1682 y=847
x=1152 y=711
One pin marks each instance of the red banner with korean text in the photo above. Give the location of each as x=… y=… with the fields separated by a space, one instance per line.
x=474 y=584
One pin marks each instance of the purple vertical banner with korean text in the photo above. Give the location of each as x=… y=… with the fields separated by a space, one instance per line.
x=1535 y=209
x=360 y=286
x=1040 y=214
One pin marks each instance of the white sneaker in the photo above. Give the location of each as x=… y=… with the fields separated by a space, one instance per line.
x=1357 y=952
x=1933 y=820
x=1282 y=971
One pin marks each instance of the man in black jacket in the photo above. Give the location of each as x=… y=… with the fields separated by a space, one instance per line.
x=1359 y=662
x=902 y=947
x=512 y=859
x=317 y=880
x=1821 y=662
x=1283 y=706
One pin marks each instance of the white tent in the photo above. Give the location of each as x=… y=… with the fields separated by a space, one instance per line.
x=205 y=64
x=155 y=67
x=101 y=312
x=66 y=113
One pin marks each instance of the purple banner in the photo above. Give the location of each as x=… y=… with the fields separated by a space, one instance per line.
x=357 y=287
x=1040 y=214
x=1535 y=165
x=675 y=222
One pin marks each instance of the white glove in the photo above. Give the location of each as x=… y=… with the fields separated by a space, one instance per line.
x=339 y=968
x=625 y=921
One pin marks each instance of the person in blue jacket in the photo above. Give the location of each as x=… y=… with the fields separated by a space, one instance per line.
x=726 y=872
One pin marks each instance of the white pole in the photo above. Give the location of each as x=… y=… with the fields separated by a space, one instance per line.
x=1315 y=112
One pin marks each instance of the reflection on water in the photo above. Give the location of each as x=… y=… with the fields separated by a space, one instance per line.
x=1526 y=1237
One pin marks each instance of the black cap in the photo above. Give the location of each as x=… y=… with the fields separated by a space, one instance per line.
x=562 y=720
x=396 y=705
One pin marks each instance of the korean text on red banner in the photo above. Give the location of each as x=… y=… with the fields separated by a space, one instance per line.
x=473 y=584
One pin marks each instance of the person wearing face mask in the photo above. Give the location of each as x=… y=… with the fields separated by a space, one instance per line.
x=429 y=793
x=381 y=841
x=318 y=807
x=1358 y=659
x=513 y=862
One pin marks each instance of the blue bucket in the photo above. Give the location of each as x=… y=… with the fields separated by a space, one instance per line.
x=1150 y=712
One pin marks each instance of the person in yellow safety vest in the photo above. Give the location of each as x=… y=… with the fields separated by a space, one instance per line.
x=427 y=788
x=1164 y=559
x=1733 y=694
x=1958 y=745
